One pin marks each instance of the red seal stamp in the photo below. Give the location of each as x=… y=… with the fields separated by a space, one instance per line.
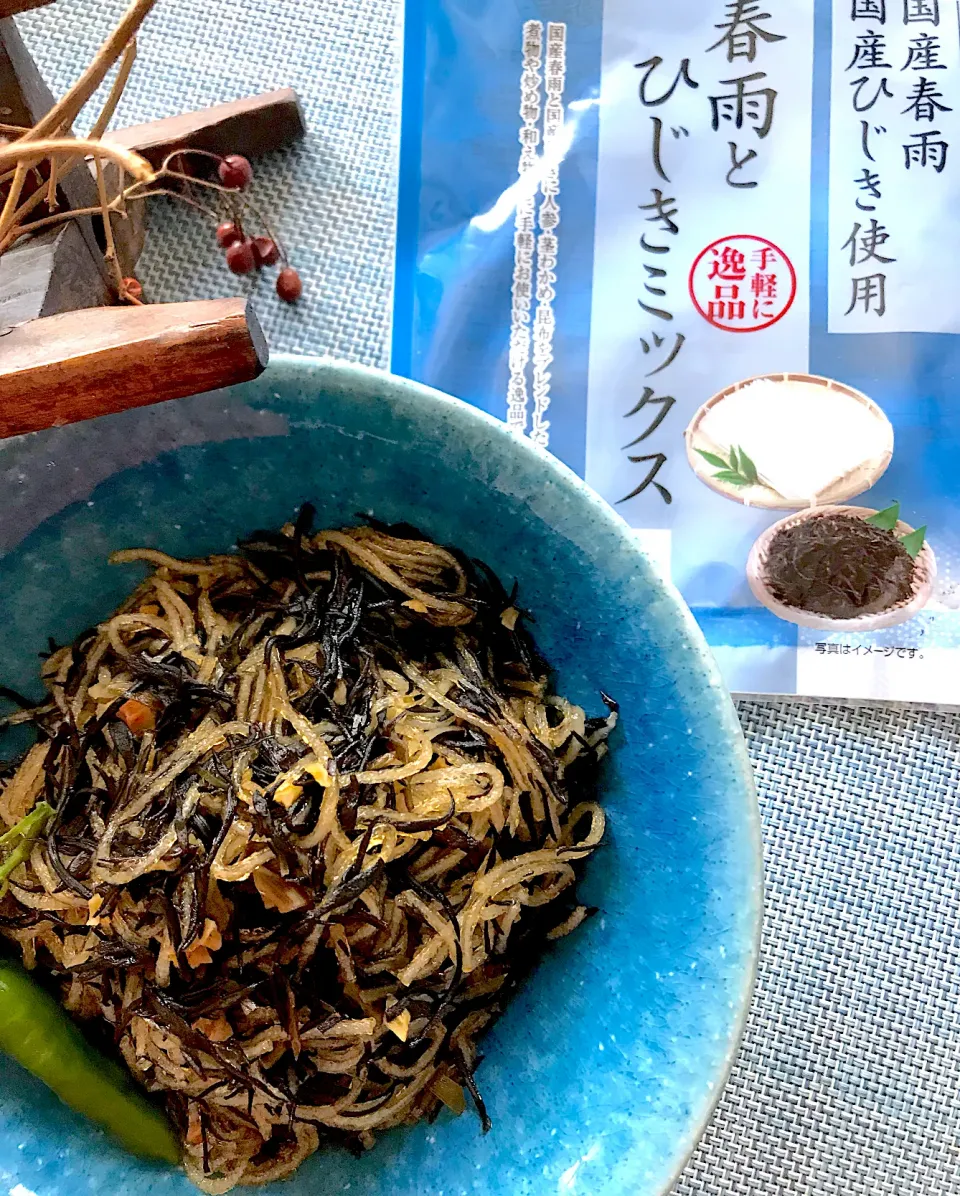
x=743 y=283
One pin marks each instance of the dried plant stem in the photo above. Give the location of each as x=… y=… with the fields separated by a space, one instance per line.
x=177 y=195
x=52 y=183
x=116 y=91
x=110 y=251
x=169 y=172
x=36 y=226
x=187 y=152
x=65 y=112
x=20 y=155
x=25 y=209
x=13 y=195
x=115 y=207
x=7 y=175
x=18 y=175
x=77 y=149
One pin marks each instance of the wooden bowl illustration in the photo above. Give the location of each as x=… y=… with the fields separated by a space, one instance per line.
x=924 y=577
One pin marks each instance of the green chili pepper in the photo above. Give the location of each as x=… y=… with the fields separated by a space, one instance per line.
x=16 y=843
x=39 y=1034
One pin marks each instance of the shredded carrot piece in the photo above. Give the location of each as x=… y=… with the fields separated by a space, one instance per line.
x=138 y=716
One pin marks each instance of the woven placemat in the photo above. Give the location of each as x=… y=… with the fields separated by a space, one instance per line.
x=847 y=1081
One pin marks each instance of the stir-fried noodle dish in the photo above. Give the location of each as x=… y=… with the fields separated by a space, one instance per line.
x=295 y=821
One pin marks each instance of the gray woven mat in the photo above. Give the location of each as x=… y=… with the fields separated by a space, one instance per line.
x=847 y=1082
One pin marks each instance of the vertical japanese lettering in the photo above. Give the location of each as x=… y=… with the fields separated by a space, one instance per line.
x=548 y=241
x=921 y=11
x=899 y=59
x=744 y=28
x=705 y=139
x=524 y=244
x=869 y=10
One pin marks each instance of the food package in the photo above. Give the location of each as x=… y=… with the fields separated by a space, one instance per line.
x=616 y=215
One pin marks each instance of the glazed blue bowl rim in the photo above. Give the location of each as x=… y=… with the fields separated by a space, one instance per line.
x=718 y=703
x=541 y=500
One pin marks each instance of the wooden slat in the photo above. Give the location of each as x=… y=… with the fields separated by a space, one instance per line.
x=250 y=126
x=9 y=8
x=83 y=364
x=22 y=87
x=47 y=274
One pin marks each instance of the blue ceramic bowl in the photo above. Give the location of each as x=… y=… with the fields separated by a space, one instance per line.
x=602 y=1074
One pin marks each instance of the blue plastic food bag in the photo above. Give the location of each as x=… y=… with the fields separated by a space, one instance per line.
x=611 y=213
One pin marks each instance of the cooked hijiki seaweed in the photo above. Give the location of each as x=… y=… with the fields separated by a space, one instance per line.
x=297 y=821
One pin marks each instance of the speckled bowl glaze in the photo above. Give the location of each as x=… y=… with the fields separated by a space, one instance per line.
x=603 y=1072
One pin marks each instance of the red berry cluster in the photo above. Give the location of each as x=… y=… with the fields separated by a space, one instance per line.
x=244 y=253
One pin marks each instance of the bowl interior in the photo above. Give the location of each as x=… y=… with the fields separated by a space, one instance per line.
x=601 y=1075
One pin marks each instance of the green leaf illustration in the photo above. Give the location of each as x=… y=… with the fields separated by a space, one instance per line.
x=914 y=542
x=738 y=471
x=887 y=519
x=748 y=469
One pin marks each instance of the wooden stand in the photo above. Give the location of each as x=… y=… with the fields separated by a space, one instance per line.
x=49 y=273
x=26 y=97
x=9 y=8
x=63 y=356
x=82 y=364
x=252 y=126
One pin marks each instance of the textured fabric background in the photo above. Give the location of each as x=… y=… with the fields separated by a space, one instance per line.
x=847 y=1084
